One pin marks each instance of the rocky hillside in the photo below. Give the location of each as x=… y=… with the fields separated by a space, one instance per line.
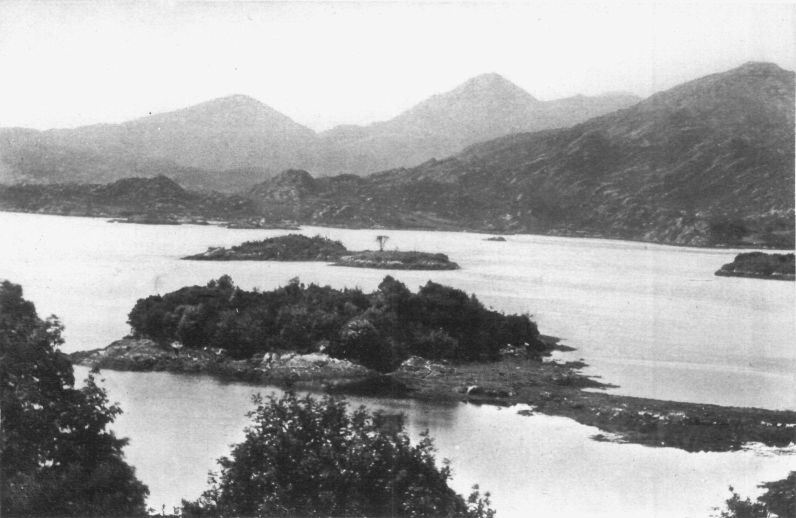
x=710 y=162
x=482 y=108
x=707 y=163
x=229 y=144
x=159 y=198
x=208 y=145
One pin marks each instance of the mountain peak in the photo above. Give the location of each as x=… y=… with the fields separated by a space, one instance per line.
x=491 y=85
x=757 y=68
x=233 y=100
x=488 y=79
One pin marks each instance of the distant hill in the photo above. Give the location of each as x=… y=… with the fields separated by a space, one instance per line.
x=229 y=144
x=159 y=198
x=211 y=145
x=482 y=108
x=709 y=162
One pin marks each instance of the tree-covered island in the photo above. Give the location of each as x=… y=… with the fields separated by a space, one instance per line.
x=378 y=330
x=297 y=247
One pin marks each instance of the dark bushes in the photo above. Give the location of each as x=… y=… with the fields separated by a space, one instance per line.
x=759 y=264
x=57 y=456
x=309 y=457
x=378 y=330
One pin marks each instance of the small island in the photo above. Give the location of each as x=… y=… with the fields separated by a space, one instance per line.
x=147 y=219
x=377 y=330
x=397 y=260
x=495 y=238
x=297 y=247
x=438 y=344
x=760 y=265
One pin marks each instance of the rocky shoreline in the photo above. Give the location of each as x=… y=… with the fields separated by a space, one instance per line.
x=395 y=260
x=548 y=387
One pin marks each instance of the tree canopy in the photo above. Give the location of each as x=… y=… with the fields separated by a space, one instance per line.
x=379 y=329
x=311 y=457
x=58 y=458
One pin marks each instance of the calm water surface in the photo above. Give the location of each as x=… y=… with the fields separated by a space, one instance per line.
x=651 y=319
x=534 y=466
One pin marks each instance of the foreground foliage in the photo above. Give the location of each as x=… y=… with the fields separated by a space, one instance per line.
x=378 y=330
x=310 y=457
x=58 y=457
x=778 y=500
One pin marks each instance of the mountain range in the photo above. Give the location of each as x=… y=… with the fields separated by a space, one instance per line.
x=706 y=163
x=709 y=162
x=233 y=142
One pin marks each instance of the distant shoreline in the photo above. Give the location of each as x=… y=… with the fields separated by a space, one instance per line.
x=485 y=232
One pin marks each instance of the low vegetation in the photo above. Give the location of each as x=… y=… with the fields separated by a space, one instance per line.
x=762 y=265
x=57 y=455
x=779 y=499
x=378 y=329
x=293 y=247
x=310 y=457
x=397 y=260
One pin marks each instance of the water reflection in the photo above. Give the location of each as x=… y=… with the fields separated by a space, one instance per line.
x=180 y=424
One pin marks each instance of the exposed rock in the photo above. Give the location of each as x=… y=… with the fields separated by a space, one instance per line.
x=417 y=366
x=146 y=355
x=311 y=366
x=396 y=260
x=480 y=392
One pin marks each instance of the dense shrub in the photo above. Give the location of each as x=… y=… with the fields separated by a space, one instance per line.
x=379 y=329
x=292 y=247
x=779 y=499
x=309 y=457
x=780 y=496
x=58 y=458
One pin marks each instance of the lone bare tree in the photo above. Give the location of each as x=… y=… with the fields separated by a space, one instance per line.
x=382 y=240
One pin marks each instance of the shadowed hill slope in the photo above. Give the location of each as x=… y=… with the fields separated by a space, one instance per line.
x=709 y=162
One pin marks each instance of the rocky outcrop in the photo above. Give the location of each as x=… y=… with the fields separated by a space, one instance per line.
x=549 y=387
x=130 y=354
x=394 y=260
x=311 y=366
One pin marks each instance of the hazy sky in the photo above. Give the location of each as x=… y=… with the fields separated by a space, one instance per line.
x=71 y=63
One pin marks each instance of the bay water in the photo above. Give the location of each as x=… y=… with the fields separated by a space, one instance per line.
x=651 y=319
